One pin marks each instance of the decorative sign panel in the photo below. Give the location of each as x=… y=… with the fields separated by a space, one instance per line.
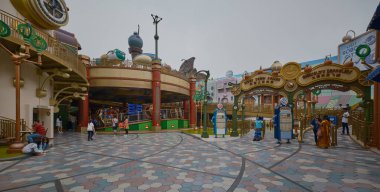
x=262 y=80
x=333 y=72
x=286 y=123
x=347 y=51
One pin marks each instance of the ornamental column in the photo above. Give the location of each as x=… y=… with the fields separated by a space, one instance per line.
x=156 y=95
x=83 y=112
x=192 y=103
x=309 y=103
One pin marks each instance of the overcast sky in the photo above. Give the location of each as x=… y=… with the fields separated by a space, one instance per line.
x=222 y=35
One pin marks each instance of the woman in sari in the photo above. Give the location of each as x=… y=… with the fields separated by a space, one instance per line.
x=324 y=135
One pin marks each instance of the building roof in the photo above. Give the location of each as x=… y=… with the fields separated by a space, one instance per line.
x=375 y=21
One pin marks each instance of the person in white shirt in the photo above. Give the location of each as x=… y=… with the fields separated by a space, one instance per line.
x=115 y=122
x=58 y=123
x=31 y=148
x=345 y=121
x=90 y=130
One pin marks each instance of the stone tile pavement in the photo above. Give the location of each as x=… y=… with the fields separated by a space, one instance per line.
x=180 y=162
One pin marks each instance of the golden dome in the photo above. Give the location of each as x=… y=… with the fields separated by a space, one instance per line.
x=142 y=60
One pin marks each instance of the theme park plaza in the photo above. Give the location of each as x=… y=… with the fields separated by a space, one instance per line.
x=126 y=120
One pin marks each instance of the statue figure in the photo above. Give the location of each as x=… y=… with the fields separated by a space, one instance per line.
x=187 y=69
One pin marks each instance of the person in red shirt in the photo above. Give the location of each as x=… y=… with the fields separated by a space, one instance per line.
x=39 y=131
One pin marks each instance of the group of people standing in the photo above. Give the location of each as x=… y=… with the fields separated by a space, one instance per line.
x=322 y=129
x=115 y=126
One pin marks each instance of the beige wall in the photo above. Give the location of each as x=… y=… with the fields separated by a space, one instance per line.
x=28 y=93
x=174 y=80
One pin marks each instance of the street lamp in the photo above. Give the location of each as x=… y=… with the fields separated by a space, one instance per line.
x=204 y=96
x=234 y=132
x=156 y=20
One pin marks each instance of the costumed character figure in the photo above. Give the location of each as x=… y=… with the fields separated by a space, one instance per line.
x=284 y=121
x=276 y=124
x=324 y=133
x=219 y=120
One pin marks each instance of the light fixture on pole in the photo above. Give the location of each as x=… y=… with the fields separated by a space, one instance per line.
x=204 y=100
x=156 y=20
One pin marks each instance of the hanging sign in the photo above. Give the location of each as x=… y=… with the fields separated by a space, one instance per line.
x=333 y=72
x=262 y=80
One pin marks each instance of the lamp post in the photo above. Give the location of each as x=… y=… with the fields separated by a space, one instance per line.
x=234 y=132
x=204 y=96
x=156 y=20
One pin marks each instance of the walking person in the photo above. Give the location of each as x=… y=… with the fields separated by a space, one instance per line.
x=345 y=121
x=90 y=130
x=126 y=126
x=315 y=123
x=114 y=125
x=58 y=123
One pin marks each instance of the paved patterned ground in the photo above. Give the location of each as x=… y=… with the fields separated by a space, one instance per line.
x=180 y=162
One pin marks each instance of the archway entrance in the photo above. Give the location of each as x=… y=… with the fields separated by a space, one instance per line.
x=292 y=81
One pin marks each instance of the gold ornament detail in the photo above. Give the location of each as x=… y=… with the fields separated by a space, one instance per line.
x=290 y=86
x=290 y=70
x=235 y=90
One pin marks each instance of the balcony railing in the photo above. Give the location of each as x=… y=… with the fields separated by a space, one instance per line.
x=63 y=53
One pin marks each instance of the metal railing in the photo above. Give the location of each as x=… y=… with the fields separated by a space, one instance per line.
x=361 y=129
x=67 y=54
x=8 y=128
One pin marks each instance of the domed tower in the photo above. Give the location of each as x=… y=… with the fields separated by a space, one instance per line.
x=276 y=66
x=135 y=44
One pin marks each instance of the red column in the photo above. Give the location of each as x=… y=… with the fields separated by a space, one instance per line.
x=186 y=109
x=84 y=112
x=192 y=102
x=156 y=95
x=376 y=103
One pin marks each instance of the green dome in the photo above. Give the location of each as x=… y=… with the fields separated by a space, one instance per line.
x=135 y=40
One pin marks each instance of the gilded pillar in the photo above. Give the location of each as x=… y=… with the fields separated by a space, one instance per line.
x=156 y=95
x=308 y=98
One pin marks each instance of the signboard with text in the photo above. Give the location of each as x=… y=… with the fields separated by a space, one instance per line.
x=262 y=80
x=347 y=51
x=329 y=72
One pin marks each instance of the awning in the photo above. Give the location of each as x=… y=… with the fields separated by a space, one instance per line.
x=375 y=74
x=375 y=22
